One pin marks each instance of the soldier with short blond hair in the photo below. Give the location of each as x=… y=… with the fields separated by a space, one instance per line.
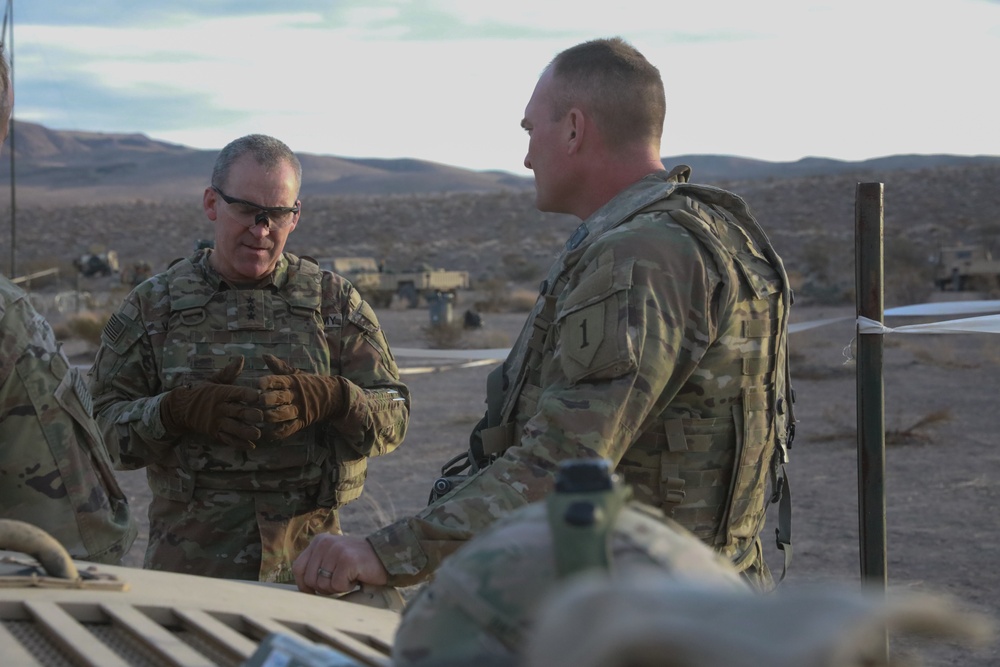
x=658 y=342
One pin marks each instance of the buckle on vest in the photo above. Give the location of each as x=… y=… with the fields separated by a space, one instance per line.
x=192 y=316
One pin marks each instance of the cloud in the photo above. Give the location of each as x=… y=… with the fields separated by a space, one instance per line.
x=127 y=13
x=79 y=103
x=447 y=80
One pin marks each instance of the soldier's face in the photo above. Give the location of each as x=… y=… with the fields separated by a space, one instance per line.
x=246 y=252
x=548 y=151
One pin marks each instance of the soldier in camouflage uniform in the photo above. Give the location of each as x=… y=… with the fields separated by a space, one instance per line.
x=250 y=384
x=658 y=342
x=55 y=471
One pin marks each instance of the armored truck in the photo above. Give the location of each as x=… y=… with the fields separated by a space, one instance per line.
x=97 y=264
x=379 y=285
x=966 y=267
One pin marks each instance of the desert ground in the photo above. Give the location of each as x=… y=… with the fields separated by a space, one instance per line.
x=941 y=456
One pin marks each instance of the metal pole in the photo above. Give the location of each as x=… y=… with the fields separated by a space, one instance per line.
x=13 y=201
x=869 y=245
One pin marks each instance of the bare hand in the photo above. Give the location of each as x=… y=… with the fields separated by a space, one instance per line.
x=337 y=564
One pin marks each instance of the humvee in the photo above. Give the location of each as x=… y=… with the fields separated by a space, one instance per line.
x=57 y=611
x=967 y=267
x=97 y=264
x=379 y=285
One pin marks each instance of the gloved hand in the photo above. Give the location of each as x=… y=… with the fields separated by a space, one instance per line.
x=292 y=400
x=215 y=407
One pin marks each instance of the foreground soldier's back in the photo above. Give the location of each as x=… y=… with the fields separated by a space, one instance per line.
x=55 y=471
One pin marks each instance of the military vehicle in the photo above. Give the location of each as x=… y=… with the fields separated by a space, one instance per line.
x=57 y=611
x=966 y=267
x=97 y=264
x=379 y=285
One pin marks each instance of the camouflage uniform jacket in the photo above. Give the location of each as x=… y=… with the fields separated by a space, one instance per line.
x=185 y=324
x=55 y=471
x=658 y=343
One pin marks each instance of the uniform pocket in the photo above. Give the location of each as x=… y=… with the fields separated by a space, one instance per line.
x=74 y=398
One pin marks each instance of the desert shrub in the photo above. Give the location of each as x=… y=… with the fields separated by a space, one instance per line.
x=988 y=285
x=519 y=269
x=521 y=300
x=825 y=272
x=913 y=434
x=486 y=339
x=909 y=277
x=494 y=293
x=445 y=336
x=814 y=259
x=86 y=326
x=500 y=296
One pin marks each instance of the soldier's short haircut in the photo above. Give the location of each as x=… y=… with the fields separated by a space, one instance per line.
x=4 y=81
x=267 y=151
x=613 y=83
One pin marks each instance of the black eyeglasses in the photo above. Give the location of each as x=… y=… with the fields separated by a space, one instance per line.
x=254 y=214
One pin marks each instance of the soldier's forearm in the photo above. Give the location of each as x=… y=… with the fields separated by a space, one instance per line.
x=376 y=420
x=134 y=430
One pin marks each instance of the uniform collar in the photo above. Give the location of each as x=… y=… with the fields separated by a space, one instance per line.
x=276 y=279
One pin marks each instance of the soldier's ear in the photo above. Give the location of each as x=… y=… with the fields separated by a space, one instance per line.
x=209 y=201
x=574 y=125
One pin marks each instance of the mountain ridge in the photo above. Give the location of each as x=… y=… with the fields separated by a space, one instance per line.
x=72 y=166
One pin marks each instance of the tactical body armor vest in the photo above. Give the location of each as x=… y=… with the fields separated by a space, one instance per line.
x=206 y=329
x=709 y=472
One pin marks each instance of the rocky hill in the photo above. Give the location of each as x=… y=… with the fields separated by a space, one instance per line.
x=80 y=192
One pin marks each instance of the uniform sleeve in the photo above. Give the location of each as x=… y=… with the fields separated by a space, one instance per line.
x=629 y=330
x=126 y=387
x=380 y=403
x=56 y=472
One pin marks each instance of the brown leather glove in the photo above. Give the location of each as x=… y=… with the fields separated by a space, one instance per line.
x=292 y=400
x=216 y=408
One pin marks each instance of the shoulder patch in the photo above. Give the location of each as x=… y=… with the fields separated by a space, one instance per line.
x=114 y=329
x=364 y=318
x=120 y=332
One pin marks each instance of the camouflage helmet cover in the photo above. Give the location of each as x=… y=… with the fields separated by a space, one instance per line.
x=484 y=597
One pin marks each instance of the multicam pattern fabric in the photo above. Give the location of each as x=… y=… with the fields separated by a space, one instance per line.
x=483 y=601
x=55 y=471
x=658 y=343
x=216 y=510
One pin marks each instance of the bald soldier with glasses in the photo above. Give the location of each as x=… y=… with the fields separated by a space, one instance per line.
x=250 y=384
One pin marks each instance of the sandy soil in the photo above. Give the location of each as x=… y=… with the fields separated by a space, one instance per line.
x=941 y=460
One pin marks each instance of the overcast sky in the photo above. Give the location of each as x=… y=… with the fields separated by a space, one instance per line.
x=447 y=80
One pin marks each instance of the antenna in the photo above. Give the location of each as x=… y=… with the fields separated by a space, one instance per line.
x=8 y=15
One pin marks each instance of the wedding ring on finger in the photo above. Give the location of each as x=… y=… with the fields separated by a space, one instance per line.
x=324 y=573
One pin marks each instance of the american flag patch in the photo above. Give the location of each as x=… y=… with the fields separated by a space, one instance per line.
x=114 y=329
